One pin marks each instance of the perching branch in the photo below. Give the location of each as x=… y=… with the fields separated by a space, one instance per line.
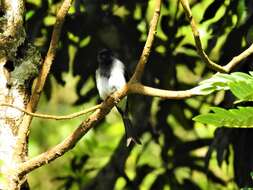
x=55 y=117
x=138 y=88
x=148 y=45
x=99 y=114
x=73 y=138
x=93 y=119
x=134 y=86
x=223 y=69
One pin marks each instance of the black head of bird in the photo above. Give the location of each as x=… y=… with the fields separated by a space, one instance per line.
x=105 y=56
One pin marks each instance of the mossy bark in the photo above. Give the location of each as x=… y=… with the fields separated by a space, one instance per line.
x=19 y=65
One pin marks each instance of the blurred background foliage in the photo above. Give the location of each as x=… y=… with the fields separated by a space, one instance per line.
x=176 y=152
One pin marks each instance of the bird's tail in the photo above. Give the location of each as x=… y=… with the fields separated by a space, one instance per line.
x=130 y=131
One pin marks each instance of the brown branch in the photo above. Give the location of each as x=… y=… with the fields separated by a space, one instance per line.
x=132 y=87
x=224 y=69
x=55 y=117
x=138 y=88
x=106 y=106
x=50 y=54
x=148 y=45
x=237 y=59
x=100 y=113
x=93 y=119
x=197 y=40
x=73 y=138
x=23 y=131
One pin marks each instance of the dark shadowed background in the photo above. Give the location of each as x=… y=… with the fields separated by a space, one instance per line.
x=176 y=152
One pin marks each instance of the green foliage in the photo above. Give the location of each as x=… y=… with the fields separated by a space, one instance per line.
x=241 y=85
x=240 y=117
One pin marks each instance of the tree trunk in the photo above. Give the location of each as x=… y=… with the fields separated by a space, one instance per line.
x=19 y=63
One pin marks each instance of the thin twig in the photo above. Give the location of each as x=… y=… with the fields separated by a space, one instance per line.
x=94 y=118
x=148 y=45
x=54 y=117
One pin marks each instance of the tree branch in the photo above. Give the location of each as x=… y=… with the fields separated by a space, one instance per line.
x=93 y=119
x=69 y=142
x=195 y=32
x=237 y=59
x=105 y=108
x=148 y=45
x=138 y=88
x=132 y=87
x=223 y=69
x=50 y=54
x=23 y=130
x=55 y=117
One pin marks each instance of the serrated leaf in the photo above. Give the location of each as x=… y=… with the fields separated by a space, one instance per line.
x=240 y=117
x=208 y=118
x=242 y=90
x=240 y=84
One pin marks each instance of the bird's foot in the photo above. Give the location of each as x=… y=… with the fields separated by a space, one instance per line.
x=116 y=100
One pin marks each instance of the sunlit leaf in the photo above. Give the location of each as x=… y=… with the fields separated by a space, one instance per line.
x=240 y=117
x=240 y=84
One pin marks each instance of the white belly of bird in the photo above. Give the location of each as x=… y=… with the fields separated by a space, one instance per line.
x=115 y=82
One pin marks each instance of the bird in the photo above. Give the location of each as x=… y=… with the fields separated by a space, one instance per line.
x=111 y=76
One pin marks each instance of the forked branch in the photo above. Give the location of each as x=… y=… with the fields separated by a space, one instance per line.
x=223 y=69
x=106 y=106
x=134 y=86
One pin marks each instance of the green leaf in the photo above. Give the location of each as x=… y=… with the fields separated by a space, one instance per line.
x=240 y=84
x=240 y=117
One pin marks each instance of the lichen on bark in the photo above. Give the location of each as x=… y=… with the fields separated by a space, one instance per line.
x=26 y=67
x=19 y=65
